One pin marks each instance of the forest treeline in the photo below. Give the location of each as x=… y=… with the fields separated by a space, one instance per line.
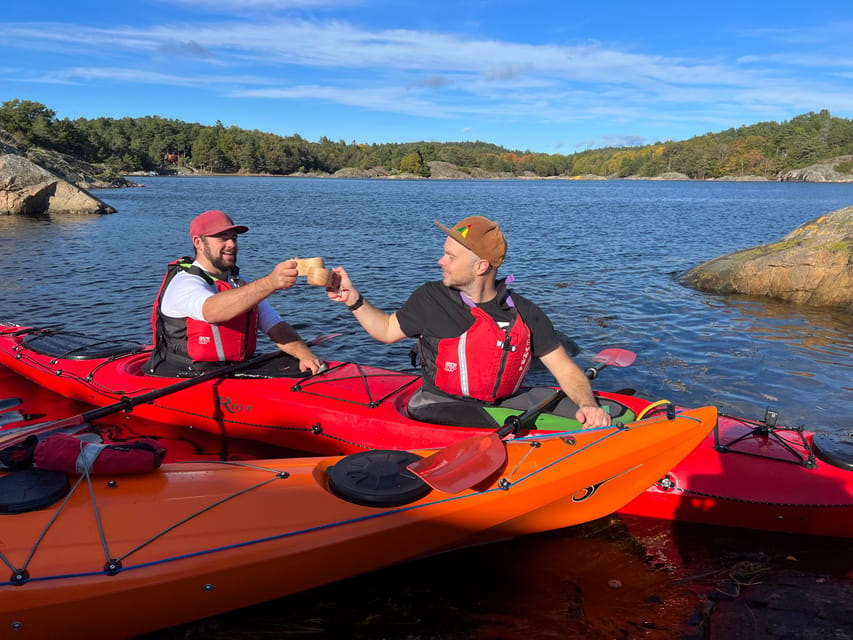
x=152 y=143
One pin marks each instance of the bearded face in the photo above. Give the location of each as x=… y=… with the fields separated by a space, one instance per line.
x=220 y=251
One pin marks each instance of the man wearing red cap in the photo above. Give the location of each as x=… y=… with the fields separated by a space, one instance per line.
x=477 y=339
x=206 y=314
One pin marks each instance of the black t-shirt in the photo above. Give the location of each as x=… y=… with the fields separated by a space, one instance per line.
x=436 y=311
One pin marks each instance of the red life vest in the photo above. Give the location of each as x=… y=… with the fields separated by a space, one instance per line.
x=224 y=341
x=486 y=362
x=183 y=341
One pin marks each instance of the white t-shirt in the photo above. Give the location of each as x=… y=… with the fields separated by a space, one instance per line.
x=186 y=293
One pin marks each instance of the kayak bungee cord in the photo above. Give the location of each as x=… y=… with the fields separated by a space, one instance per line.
x=21 y=575
x=363 y=376
x=279 y=475
x=802 y=452
x=23 y=353
x=617 y=427
x=115 y=565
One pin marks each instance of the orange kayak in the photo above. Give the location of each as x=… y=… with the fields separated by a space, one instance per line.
x=115 y=557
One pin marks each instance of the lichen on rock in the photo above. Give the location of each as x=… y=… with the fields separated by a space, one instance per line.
x=812 y=265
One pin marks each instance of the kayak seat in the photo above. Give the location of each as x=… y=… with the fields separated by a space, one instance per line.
x=70 y=345
x=561 y=417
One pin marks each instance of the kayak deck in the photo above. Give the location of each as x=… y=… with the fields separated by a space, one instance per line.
x=192 y=540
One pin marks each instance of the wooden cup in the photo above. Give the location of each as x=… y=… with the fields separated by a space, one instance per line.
x=324 y=278
x=304 y=265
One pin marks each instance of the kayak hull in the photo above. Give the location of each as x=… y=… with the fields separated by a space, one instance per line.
x=348 y=408
x=745 y=475
x=119 y=557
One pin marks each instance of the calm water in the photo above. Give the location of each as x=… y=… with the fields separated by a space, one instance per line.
x=601 y=259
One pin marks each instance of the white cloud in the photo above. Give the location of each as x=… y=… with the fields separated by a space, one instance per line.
x=432 y=74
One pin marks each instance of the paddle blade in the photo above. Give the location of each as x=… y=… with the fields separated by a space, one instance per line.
x=324 y=338
x=615 y=357
x=462 y=464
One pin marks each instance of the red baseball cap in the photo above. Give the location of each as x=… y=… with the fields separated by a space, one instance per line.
x=212 y=223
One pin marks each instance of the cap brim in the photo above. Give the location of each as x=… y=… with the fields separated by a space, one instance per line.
x=237 y=228
x=453 y=234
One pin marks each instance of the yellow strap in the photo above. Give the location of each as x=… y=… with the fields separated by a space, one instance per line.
x=654 y=405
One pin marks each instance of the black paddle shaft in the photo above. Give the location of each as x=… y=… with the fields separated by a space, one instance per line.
x=514 y=424
x=127 y=402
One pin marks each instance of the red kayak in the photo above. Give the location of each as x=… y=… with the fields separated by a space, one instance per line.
x=747 y=474
x=347 y=408
x=758 y=475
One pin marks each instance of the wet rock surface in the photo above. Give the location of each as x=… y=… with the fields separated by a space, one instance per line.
x=812 y=265
x=786 y=605
x=26 y=188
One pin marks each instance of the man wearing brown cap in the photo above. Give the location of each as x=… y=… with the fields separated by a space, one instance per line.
x=206 y=314
x=477 y=339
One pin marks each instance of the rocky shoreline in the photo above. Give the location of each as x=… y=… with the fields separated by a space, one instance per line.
x=43 y=181
x=821 y=172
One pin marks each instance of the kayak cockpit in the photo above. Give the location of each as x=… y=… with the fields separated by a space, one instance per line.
x=69 y=345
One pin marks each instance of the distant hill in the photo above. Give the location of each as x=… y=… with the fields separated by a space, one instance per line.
x=765 y=151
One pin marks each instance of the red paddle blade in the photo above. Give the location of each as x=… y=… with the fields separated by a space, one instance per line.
x=462 y=464
x=615 y=357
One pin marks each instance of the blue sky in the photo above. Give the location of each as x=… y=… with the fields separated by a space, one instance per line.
x=554 y=77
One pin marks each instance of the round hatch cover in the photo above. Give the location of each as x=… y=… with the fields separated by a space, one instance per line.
x=31 y=489
x=834 y=448
x=377 y=479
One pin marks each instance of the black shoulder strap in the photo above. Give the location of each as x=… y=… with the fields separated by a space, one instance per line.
x=186 y=264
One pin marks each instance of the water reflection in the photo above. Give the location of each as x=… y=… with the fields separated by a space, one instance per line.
x=588 y=582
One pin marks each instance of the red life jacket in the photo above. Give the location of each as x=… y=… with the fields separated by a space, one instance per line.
x=183 y=341
x=486 y=362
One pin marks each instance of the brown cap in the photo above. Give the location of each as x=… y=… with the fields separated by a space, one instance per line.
x=212 y=223
x=480 y=235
